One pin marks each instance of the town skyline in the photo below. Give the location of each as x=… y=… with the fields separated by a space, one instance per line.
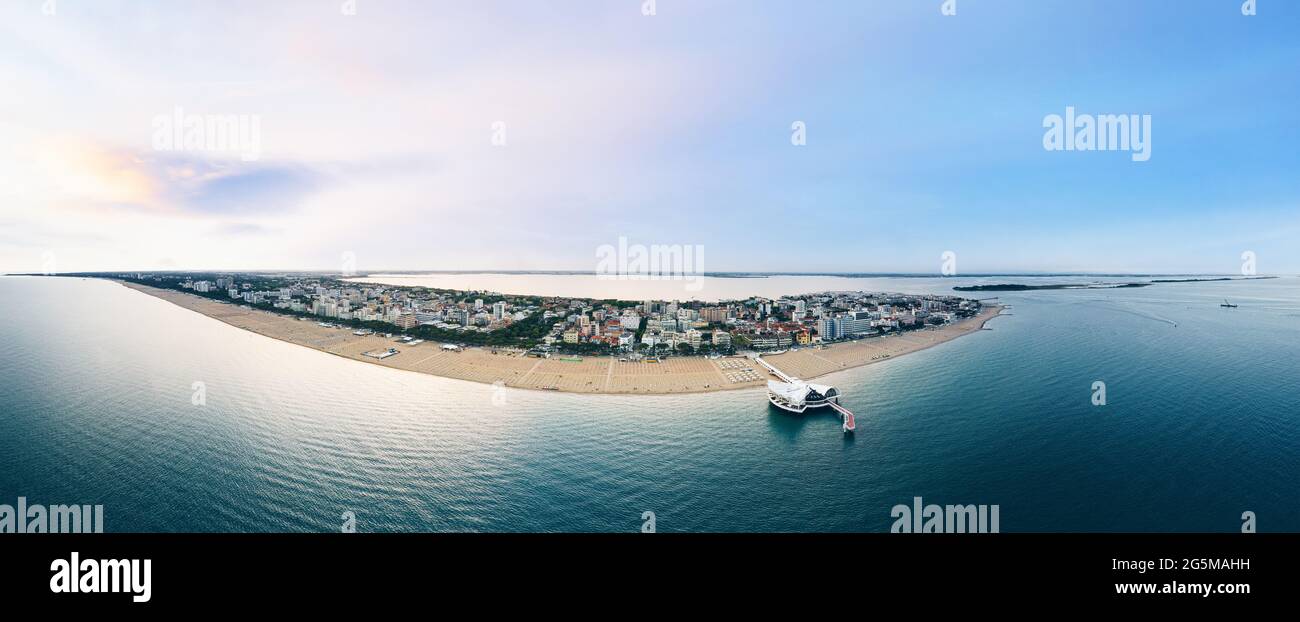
x=651 y=345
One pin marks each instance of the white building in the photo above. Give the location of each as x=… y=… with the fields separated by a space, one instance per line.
x=630 y=321
x=830 y=328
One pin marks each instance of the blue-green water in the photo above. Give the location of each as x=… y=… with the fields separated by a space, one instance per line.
x=1201 y=425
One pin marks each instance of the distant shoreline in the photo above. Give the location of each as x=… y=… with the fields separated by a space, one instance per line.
x=1022 y=287
x=761 y=274
x=590 y=375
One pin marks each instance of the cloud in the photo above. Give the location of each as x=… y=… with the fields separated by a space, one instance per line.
x=242 y=229
x=375 y=134
x=82 y=174
x=200 y=186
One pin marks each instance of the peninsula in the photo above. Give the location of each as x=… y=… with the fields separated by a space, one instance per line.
x=1021 y=287
x=574 y=345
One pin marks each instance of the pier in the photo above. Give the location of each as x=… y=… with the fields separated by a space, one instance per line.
x=776 y=372
x=846 y=415
x=794 y=395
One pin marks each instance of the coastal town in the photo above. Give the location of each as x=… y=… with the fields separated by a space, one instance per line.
x=571 y=344
x=556 y=325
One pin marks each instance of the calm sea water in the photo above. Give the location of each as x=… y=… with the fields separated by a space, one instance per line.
x=1202 y=424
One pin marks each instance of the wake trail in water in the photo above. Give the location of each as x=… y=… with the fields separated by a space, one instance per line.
x=1106 y=304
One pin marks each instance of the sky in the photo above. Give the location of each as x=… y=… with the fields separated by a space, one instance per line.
x=526 y=135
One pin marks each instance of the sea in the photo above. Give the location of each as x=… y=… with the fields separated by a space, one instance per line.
x=176 y=422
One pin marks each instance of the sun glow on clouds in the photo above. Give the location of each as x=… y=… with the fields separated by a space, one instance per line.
x=86 y=174
x=370 y=127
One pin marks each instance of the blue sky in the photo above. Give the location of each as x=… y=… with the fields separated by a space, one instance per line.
x=924 y=134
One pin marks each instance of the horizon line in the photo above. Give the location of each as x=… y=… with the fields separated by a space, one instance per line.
x=715 y=274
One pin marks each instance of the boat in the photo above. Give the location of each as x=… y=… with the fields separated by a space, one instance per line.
x=1227 y=304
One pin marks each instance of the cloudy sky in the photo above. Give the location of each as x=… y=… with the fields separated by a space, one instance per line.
x=376 y=134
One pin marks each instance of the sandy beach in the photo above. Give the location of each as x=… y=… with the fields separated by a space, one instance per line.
x=588 y=374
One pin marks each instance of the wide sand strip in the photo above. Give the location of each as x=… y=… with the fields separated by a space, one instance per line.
x=587 y=374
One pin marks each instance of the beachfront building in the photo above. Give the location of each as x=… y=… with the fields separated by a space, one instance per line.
x=770 y=341
x=406 y=321
x=830 y=328
x=856 y=323
x=797 y=396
